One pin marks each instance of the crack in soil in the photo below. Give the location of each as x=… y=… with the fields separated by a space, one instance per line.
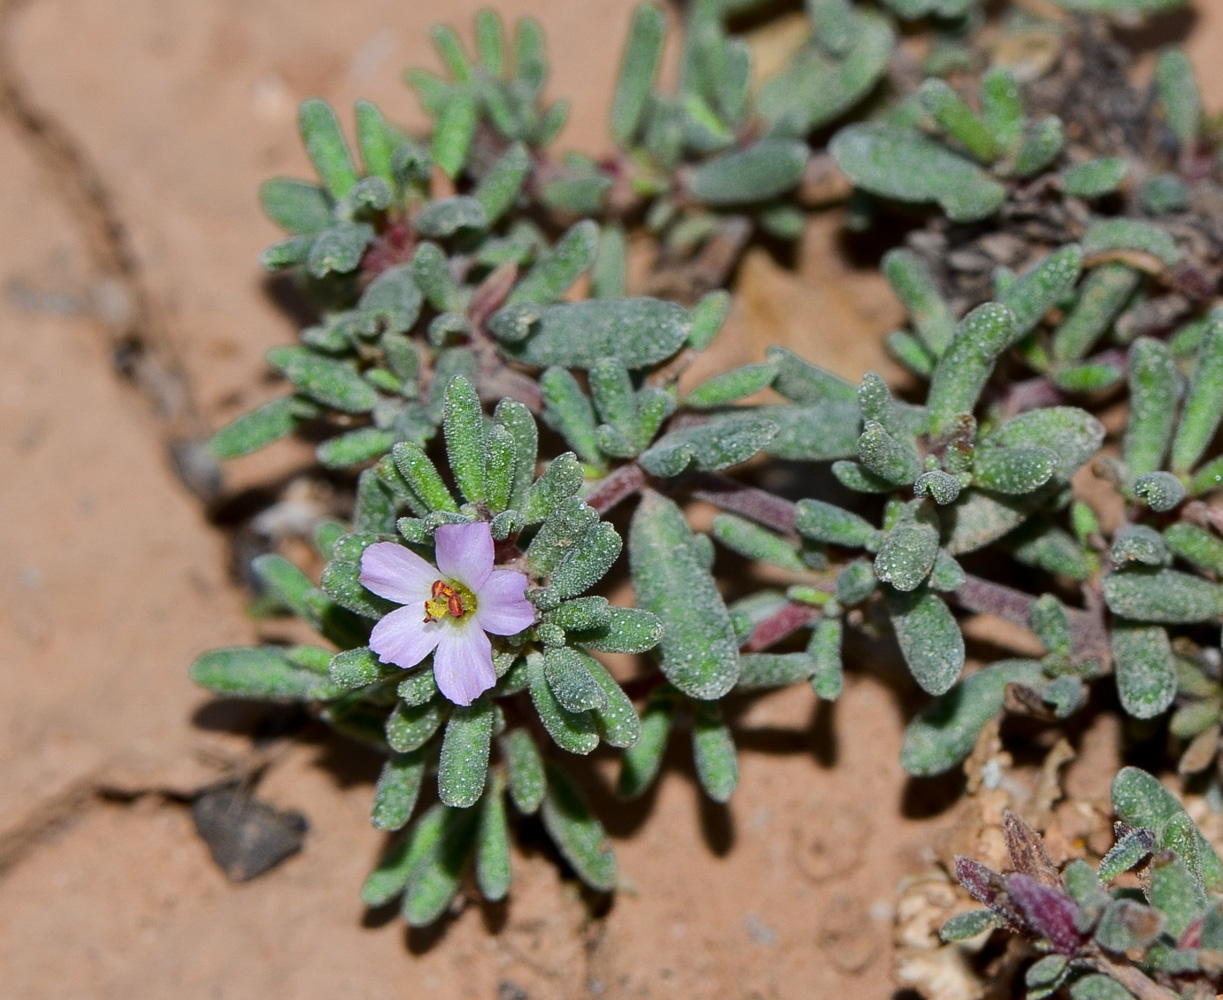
x=142 y=349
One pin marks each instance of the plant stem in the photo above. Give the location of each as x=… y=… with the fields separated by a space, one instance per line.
x=783 y=622
x=1132 y=979
x=755 y=504
x=620 y=485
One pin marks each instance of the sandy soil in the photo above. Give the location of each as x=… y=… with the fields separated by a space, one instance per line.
x=134 y=134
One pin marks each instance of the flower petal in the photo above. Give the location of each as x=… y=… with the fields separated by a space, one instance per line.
x=501 y=604
x=397 y=573
x=403 y=638
x=463 y=663
x=465 y=553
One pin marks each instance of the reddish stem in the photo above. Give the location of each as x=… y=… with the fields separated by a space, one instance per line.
x=755 y=504
x=620 y=485
x=783 y=622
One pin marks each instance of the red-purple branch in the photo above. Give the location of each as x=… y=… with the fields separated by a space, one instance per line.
x=620 y=485
x=755 y=504
x=783 y=622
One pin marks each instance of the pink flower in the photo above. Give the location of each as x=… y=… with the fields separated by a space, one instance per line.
x=447 y=611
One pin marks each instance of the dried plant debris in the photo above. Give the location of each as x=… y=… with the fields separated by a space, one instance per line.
x=484 y=365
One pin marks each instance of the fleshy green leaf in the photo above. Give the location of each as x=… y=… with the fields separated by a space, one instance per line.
x=907 y=554
x=639 y=332
x=557 y=269
x=463 y=424
x=630 y=630
x=410 y=727
x=463 y=767
x=1106 y=236
x=713 y=751
x=325 y=143
x=825 y=522
x=1102 y=296
x=453 y=132
x=1166 y=595
x=957 y=119
x=433 y=882
x=943 y=735
x=1162 y=491
x=1203 y=403
x=1095 y=178
x=730 y=386
x=965 y=367
x=722 y=442
x=816 y=88
x=256 y=429
x=571 y=731
x=397 y=790
x=264 y=672
x=901 y=164
x=578 y=835
x=331 y=383
x=338 y=248
x=1196 y=545
x=754 y=542
x=296 y=206
x=762 y=171
x=886 y=457
x=1032 y=295
x=1017 y=470
x=638 y=67
x=498 y=189
x=493 y=847
x=918 y=291
x=699 y=652
x=1176 y=87
x=1140 y=800
x=929 y=637
x=1146 y=676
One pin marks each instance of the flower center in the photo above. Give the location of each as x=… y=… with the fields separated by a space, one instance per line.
x=449 y=598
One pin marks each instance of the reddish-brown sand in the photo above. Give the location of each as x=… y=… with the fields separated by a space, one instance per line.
x=112 y=579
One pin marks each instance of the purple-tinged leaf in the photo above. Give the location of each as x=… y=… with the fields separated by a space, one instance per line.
x=1046 y=911
x=988 y=887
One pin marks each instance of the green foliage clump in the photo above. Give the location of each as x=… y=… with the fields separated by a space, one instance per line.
x=477 y=358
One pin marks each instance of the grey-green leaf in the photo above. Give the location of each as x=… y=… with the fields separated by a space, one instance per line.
x=943 y=735
x=639 y=332
x=929 y=637
x=571 y=731
x=256 y=429
x=525 y=768
x=1166 y=596
x=325 y=143
x=917 y=289
x=493 y=847
x=638 y=67
x=713 y=751
x=578 y=835
x=722 y=442
x=296 y=206
x=463 y=767
x=901 y=164
x=1146 y=675
x=761 y=172
x=699 y=652
x=966 y=365
x=256 y=672
x=397 y=790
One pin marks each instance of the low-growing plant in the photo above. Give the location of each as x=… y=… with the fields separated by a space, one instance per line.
x=507 y=420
